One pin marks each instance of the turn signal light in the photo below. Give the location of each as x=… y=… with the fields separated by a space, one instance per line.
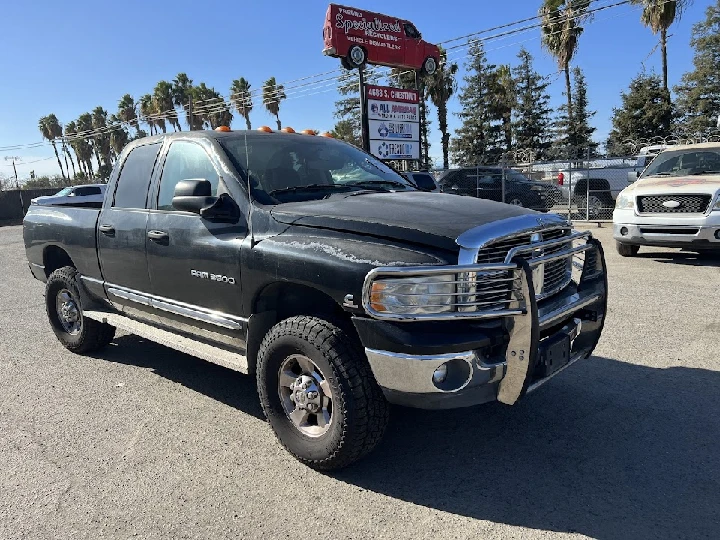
x=376 y=295
x=265 y=129
x=287 y=130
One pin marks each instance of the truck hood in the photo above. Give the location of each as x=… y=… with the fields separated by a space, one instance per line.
x=435 y=219
x=667 y=185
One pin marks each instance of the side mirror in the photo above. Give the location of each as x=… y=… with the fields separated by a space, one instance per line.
x=632 y=176
x=196 y=196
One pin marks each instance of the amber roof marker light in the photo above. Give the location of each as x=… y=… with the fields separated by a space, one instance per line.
x=265 y=129
x=224 y=129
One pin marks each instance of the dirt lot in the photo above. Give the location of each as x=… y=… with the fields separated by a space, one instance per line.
x=145 y=442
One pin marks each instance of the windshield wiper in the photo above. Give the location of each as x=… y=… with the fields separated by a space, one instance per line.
x=377 y=184
x=698 y=173
x=661 y=174
x=310 y=187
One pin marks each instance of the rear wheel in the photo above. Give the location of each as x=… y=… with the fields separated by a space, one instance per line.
x=514 y=200
x=319 y=394
x=64 y=310
x=627 y=250
x=356 y=56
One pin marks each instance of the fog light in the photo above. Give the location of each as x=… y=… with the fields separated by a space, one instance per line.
x=440 y=374
x=623 y=231
x=717 y=234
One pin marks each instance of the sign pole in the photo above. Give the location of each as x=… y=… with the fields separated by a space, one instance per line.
x=363 y=111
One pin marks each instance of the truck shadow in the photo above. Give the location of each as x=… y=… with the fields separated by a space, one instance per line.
x=222 y=384
x=608 y=449
x=683 y=258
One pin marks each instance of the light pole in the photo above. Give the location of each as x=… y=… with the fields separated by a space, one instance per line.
x=17 y=182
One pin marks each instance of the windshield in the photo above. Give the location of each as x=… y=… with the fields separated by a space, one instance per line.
x=63 y=192
x=293 y=167
x=685 y=162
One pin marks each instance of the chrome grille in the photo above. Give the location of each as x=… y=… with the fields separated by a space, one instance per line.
x=687 y=204
x=554 y=275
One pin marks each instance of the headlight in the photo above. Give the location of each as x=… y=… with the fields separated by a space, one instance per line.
x=717 y=202
x=625 y=202
x=413 y=296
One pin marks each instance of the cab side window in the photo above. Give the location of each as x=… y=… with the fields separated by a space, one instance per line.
x=134 y=180
x=185 y=161
x=411 y=31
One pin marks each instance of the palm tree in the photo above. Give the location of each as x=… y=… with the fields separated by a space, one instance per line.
x=101 y=136
x=561 y=29
x=70 y=131
x=240 y=96
x=67 y=153
x=127 y=111
x=441 y=86
x=182 y=87
x=659 y=15
x=147 y=109
x=505 y=101
x=51 y=129
x=163 y=101
x=119 y=137
x=85 y=148
x=273 y=93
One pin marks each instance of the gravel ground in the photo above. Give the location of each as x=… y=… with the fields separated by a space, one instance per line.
x=145 y=442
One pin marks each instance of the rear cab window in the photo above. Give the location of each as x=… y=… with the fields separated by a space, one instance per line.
x=132 y=185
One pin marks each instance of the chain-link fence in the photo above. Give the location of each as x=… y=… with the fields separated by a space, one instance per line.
x=582 y=187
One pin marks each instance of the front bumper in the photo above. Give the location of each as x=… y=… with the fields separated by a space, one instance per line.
x=696 y=232
x=506 y=372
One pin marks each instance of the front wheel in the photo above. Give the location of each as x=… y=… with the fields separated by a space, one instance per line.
x=319 y=394
x=64 y=310
x=626 y=250
x=514 y=200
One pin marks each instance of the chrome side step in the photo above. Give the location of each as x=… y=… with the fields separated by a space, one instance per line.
x=210 y=353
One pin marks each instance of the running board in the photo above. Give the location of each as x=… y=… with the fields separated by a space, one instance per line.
x=216 y=355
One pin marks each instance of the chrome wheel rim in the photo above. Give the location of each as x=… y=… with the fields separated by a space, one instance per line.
x=305 y=395
x=68 y=312
x=357 y=55
x=515 y=202
x=430 y=66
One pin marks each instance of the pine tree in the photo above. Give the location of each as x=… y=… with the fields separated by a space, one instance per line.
x=698 y=94
x=476 y=140
x=646 y=113
x=347 y=108
x=574 y=140
x=532 y=120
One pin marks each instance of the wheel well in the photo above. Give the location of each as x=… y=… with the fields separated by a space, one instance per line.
x=55 y=257
x=281 y=301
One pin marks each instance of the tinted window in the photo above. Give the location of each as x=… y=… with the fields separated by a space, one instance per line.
x=424 y=181
x=185 y=161
x=84 y=191
x=411 y=31
x=134 y=178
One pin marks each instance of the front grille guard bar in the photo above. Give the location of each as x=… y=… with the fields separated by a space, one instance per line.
x=468 y=277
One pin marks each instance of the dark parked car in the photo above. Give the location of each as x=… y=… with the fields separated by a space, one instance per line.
x=312 y=265
x=487 y=183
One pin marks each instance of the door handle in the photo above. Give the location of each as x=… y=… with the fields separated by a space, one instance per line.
x=161 y=237
x=107 y=230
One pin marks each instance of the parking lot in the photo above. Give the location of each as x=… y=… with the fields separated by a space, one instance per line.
x=144 y=442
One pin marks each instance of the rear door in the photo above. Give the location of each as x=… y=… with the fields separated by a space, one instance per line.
x=122 y=228
x=194 y=264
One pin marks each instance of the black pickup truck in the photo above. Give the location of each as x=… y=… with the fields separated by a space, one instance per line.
x=334 y=279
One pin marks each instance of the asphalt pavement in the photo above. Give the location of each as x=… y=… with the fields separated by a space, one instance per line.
x=144 y=442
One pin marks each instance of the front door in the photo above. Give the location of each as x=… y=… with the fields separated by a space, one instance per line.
x=121 y=229
x=194 y=264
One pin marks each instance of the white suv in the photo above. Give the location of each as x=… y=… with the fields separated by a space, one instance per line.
x=674 y=203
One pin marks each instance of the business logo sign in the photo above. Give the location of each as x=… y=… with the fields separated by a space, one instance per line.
x=394 y=122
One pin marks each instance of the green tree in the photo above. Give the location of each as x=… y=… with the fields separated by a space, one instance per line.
x=574 y=137
x=165 y=106
x=51 y=129
x=659 y=15
x=441 y=87
x=504 y=103
x=70 y=132
x=83 y=141
x=532 y=119
x=347 y=108
x=212 y=110
x=119 y=136
x=127 y=111
x=476 y=140
x=182 y=97
x=273 y=93
x=147 y=111
x=101 y=137
x=645 y=113
x=561 y=30
x=242 y=99
x=698 y=94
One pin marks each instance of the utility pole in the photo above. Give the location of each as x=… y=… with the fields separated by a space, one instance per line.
x=17 y=182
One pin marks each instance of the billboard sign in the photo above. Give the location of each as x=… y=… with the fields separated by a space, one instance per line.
x=394 y=122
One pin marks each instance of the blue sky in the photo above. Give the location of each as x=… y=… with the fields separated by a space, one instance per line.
x=69 y=57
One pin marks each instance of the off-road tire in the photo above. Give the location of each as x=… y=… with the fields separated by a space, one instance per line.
x=360 y=411
x=626 y=250
x=93 y=335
